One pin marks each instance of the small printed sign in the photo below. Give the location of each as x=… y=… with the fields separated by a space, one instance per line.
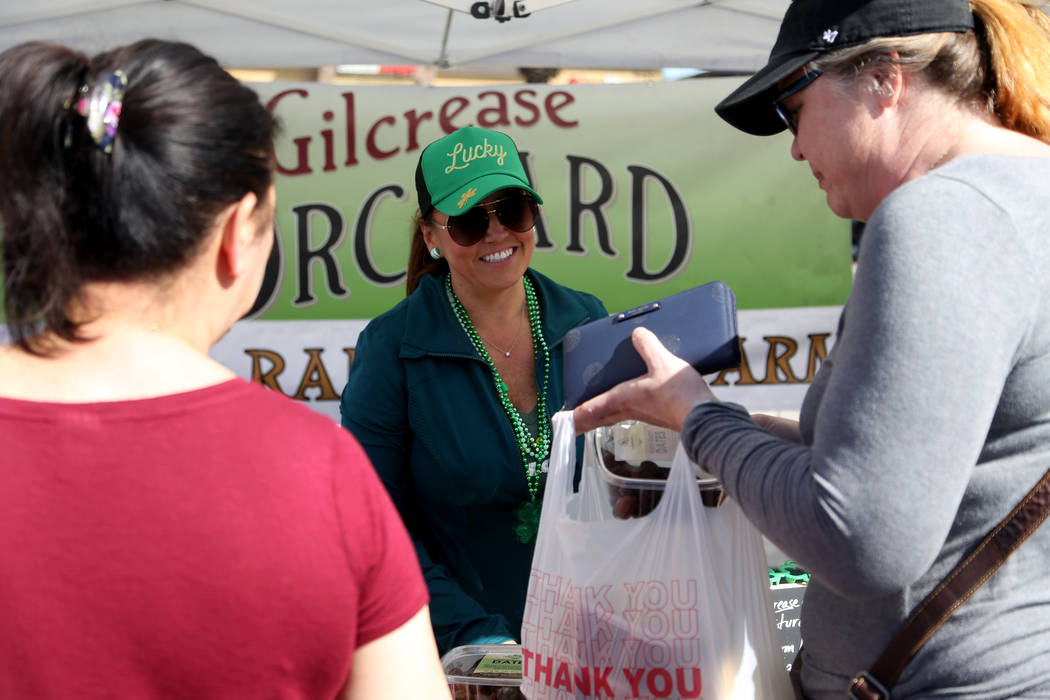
x=499 y=666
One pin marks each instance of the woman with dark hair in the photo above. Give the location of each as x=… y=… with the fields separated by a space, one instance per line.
x=452 y=390
x=930 y=420
x=167 y=529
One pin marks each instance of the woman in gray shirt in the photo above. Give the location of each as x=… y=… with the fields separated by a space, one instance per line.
x=930 y=419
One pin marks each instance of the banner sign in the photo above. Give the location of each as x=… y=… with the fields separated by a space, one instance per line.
x=646 y=193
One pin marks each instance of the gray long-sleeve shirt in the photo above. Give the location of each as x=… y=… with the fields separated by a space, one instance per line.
x=926 y=425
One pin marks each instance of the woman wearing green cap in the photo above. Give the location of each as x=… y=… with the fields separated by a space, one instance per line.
x=452 y=390
x=930 y=420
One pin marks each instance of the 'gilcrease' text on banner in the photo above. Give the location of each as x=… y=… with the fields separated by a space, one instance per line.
x=646 y=193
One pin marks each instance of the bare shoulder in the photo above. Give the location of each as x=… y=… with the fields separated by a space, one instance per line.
x=21 y=374
x=107 y=371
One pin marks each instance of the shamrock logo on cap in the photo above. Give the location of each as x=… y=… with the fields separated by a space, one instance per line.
x=467 y=196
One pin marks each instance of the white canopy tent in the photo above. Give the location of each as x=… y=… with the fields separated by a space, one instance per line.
x=730 y=35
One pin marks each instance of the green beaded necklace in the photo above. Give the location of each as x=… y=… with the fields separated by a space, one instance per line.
x=534 y=450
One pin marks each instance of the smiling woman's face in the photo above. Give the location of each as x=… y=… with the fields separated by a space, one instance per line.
x=494 y=263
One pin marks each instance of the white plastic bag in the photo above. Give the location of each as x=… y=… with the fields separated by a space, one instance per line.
x=671 y=605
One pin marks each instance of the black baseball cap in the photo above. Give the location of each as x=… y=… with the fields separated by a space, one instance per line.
x=814 y=27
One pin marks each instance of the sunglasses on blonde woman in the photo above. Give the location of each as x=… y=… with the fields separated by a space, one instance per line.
x=788 y=116
x=517 y=211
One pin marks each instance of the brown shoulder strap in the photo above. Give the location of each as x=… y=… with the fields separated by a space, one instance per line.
x=969 y=575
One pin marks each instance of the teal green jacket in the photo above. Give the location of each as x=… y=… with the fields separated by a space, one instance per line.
x=424 y=406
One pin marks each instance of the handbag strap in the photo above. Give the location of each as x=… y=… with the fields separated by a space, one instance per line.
x=969 y=575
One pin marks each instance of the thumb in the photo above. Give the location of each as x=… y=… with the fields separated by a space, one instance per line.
x=650 y=348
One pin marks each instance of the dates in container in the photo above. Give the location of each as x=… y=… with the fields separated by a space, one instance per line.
x=634 y=459
x=484 y=672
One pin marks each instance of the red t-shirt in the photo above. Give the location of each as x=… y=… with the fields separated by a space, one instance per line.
x=223 y=542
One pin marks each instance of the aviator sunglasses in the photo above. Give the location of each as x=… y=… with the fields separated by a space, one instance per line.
x=517 y=211
x=789 y=117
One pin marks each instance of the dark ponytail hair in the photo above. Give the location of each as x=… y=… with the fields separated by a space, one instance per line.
x=190 y=141
x=420 y=264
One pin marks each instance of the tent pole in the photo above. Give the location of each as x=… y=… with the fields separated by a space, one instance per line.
x=442 y=61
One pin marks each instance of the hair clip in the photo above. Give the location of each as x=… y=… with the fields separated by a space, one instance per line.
x=100 y=105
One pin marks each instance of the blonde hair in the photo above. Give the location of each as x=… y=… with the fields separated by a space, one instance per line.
x=1002 y=67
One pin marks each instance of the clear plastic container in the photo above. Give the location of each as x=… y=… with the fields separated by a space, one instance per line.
x=484 y=672
x=634 y=459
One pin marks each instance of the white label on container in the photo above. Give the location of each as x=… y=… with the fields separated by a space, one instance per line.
x=629 y=442
x=660 y=443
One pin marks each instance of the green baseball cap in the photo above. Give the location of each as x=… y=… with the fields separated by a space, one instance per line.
x=459 y=170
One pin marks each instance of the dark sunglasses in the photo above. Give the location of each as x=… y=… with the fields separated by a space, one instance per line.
x=517 y=211
x=786 y=115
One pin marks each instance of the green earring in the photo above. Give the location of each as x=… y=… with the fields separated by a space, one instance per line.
x=435 y=253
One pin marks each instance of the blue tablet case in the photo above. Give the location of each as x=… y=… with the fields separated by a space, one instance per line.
x=698 y=325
